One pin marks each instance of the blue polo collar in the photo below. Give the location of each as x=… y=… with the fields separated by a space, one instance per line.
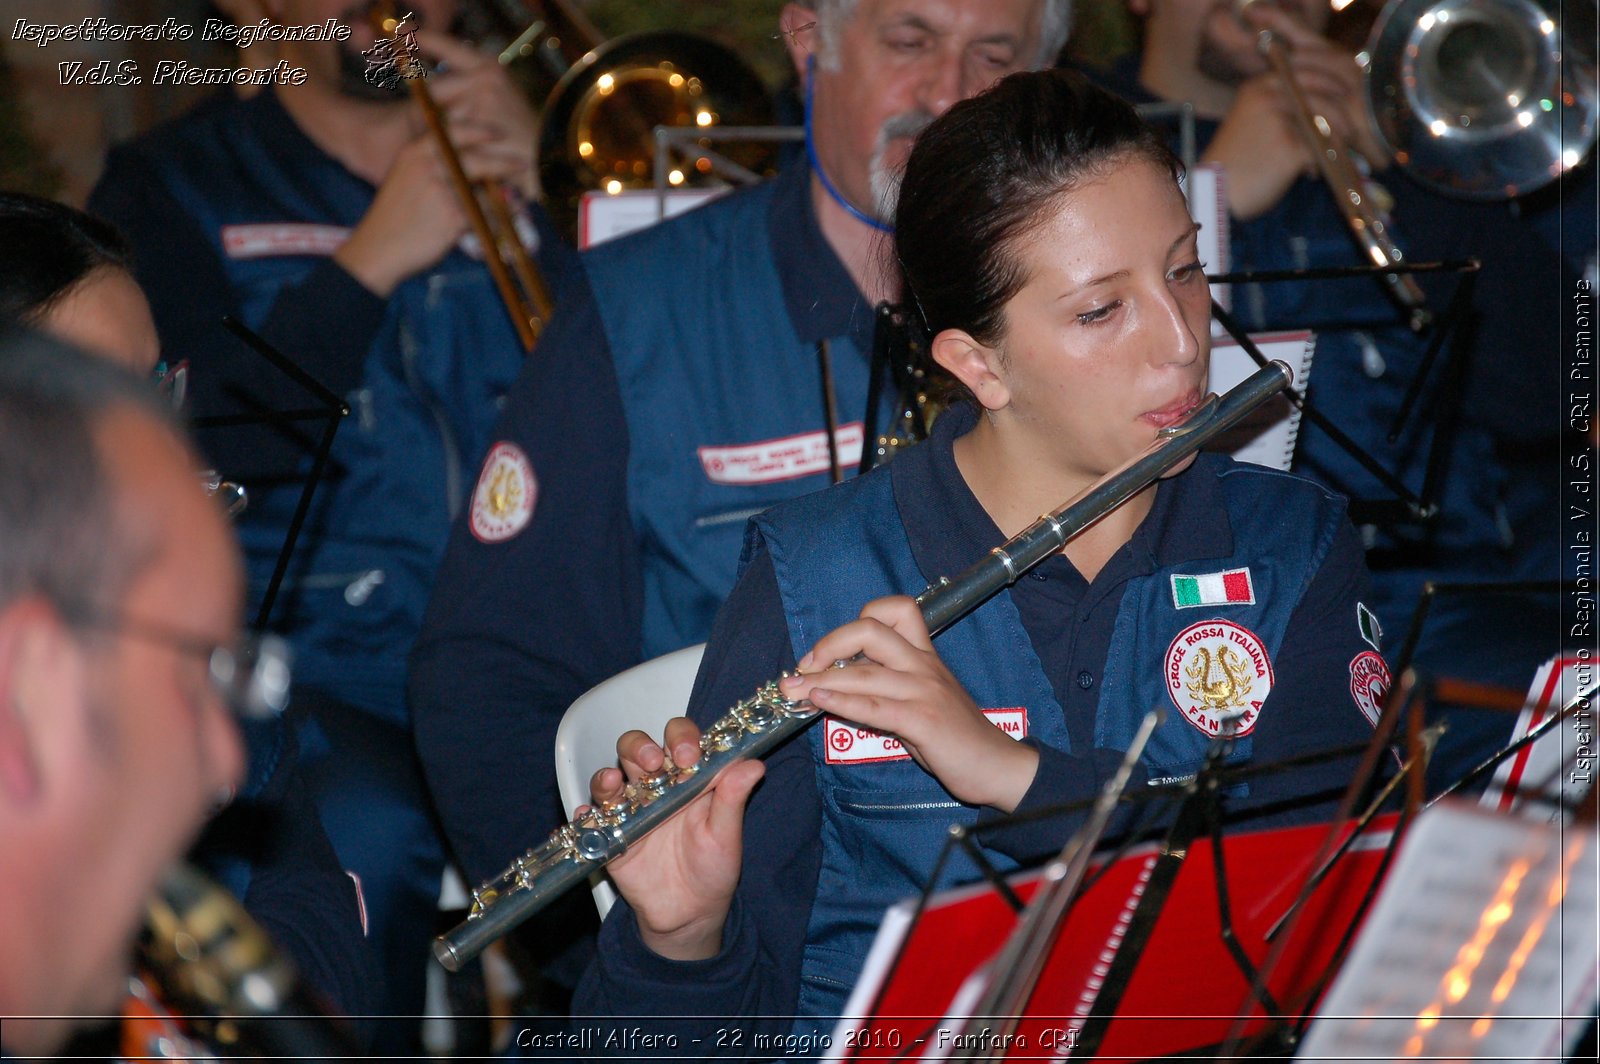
x=818 y=292
x=949 y=529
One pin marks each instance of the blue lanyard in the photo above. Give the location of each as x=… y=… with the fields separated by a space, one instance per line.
x=816 y=164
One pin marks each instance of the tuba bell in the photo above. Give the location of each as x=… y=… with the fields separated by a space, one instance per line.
x=603 y=100
x=1484 y=99
x=597 y=130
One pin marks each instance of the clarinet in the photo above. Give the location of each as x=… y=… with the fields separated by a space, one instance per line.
x=758 y=724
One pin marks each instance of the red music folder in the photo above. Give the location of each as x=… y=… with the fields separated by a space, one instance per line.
x=924 y=972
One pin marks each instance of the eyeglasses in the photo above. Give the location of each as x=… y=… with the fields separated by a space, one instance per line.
x=232 y=496
x=252 y=677
x=172 y=381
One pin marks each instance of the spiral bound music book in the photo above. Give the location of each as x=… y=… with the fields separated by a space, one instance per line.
x=1205 y=186
x=1185 y=989
x=1268 y=436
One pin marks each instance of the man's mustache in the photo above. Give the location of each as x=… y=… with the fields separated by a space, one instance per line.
x=905 y=124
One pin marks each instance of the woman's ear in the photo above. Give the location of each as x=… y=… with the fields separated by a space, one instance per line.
x=974 y=365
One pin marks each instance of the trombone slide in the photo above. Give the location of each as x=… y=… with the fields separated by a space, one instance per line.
x=1347 y=185
x=516 y=277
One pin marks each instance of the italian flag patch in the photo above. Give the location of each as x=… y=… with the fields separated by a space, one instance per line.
x=1229 y=588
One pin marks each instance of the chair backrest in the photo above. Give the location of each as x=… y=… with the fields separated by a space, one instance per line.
x=644 y=697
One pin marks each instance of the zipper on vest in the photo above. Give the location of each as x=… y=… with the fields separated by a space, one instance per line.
x=358 y=585
x=714 y=520
x=877 y=807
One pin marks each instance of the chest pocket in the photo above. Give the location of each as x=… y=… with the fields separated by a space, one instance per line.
x=897 y=828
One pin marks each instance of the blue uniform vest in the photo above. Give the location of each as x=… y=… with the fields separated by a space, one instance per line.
x=885 y=823
x=404 y=459
x=710 y=361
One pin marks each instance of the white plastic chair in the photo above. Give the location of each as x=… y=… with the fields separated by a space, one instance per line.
x=644 y=697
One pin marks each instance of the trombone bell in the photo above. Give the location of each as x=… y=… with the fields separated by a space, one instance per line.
x=1483 y=99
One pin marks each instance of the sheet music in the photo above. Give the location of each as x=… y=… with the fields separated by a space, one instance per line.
x=605 y=216
x=1267 y=437
x=1558 y=769
x=885 y=948
x=921 y=982
x=1482 y=945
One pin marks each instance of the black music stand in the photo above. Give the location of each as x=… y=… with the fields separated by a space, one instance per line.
x=1405 y=504
x=332 y=410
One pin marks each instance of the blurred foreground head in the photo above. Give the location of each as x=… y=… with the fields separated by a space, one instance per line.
x=118 y=578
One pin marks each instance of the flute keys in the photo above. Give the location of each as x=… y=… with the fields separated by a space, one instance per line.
x=759 y=715
x=593 y=844
x=482 y=898
x=721 y=738
x=651 y=785
x=604 y=838
x=789 y=707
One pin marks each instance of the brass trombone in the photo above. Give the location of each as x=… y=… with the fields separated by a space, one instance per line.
x=1345 y=182
x=1477 y=99
x=516 y=276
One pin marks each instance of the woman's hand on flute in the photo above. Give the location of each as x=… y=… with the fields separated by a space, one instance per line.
x=903 y=688
x=680 y=878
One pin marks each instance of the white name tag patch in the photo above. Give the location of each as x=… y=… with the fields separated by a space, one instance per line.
x=848 y=744
x=276 y=239
x=782 y=459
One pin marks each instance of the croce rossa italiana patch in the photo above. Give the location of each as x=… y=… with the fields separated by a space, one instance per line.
x=1217 y=670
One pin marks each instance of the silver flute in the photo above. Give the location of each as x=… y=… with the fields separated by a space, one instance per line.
x=755 y=726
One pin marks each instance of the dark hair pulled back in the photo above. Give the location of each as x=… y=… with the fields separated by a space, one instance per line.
x=49 y=248
x=979 y=176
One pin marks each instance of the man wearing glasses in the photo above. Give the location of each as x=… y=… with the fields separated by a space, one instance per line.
x=120 y=596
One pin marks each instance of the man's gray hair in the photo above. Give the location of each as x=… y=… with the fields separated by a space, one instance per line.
x=1054 y=25
x=63 y=532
